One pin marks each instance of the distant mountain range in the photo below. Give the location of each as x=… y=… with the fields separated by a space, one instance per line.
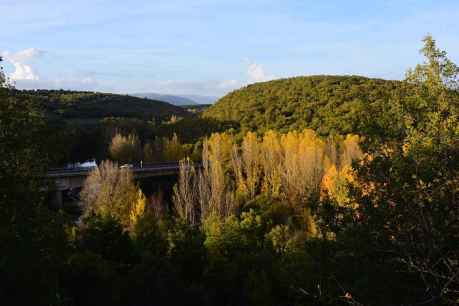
x=177 y=100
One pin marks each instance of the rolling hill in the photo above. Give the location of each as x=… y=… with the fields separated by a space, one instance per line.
x=328 y=104
x=80 y=125
x=91 y=106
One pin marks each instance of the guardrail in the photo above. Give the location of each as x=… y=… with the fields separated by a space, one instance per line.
x=134 y=165
x=137 y=167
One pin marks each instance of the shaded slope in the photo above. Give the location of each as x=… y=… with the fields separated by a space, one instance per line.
x=87 y=106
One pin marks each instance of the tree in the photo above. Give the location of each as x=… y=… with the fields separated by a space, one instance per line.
x=186 y=193
x=251 y=160
x=173 y=150
x=2 y=75
x=137 y=210
x=272 y=163
x=403 y=208
x=288 y=167
x=31 y=235
x=125 y=149
x=214 y=180
x=110 y=192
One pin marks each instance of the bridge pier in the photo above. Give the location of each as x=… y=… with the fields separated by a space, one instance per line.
x=70 y=179
x=57 y=199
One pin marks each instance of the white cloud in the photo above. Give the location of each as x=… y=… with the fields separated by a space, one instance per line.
x=24 y=55
x=23 y=71
x=25 y=77
x=256 y=73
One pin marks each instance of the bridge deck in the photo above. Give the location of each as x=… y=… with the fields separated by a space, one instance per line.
x=146 y=168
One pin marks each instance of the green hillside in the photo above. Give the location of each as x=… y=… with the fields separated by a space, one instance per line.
x=91 y=106
x=80 y=125
x=328 y=104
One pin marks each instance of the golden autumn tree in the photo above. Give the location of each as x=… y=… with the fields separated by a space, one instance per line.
x=272 y=162
x=339 y=172
x=110 y=191
x=173 y=149
x=185 y=196
x=216 y=159
x=137 y=210
x=125 y=149
x=290 y=168
x=303 y=164
x=246 y=164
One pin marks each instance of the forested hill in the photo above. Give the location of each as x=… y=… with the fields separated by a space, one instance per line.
x=91 y=106
x=80 y=125
x=328 y=104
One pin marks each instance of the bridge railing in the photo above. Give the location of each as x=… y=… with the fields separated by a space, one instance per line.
x=73 y=169
x=135 y=167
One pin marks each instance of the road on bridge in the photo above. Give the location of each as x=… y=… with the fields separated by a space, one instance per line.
x=74 y=178
x=145 y=168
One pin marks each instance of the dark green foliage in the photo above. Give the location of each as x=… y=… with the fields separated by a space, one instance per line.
x=89 y=279
x=168 y=262
x=402 y=240
x=31 y=237
x=106 y=237
x=87 y=107
x=80 y=125
x=401 y=233
x=189 y=130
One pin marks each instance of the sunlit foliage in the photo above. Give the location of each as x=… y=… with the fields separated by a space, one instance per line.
x=288 y=167
x=125 y=149
x=110 y=192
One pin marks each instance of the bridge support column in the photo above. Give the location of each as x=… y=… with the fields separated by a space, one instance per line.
x=57 y=199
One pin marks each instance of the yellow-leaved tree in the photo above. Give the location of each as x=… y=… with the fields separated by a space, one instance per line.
x=110 y=192
x=137 y=210
x=272 y=163
x=291 y=168
x=125 y=149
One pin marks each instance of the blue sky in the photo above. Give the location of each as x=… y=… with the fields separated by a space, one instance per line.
x=210 y=47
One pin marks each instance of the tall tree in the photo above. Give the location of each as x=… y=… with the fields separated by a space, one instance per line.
x=2 y=75
x=404 y=209
x=30 y=235
x=110 y=192
x=125 y=149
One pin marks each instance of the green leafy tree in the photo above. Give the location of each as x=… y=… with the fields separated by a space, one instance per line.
x=31 y=236
x=404 y=206
x=2 y=75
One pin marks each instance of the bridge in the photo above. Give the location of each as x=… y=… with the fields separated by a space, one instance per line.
x=74 y=178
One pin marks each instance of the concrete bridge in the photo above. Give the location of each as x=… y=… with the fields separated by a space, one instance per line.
x=73 y=178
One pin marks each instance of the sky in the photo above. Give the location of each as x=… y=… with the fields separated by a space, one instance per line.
x=211 y=47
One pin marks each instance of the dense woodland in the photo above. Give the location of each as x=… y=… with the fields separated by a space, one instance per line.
x=81 y=125
x=87 y=106
x=321 y=190
x=327 y=104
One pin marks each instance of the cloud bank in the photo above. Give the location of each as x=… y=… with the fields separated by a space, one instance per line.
x=256 y=73
x=25 y=76
x=22 y=70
